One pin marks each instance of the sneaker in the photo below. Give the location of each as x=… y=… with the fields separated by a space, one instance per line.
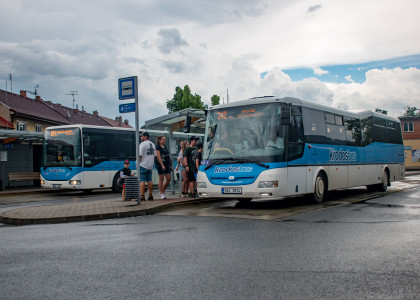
x=142 y=198
x=183 y=195
x=192 y=195
x=162 y=196
x=150 y=198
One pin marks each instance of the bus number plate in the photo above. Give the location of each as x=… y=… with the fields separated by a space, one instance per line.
x=56 y=186
x=236 y=190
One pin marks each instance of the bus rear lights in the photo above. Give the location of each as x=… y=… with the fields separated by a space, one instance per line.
x=201 y=185
x=75 y=182
x=268 y=184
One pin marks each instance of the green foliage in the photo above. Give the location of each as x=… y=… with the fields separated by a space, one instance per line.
x=411 y=112
x=381 y=111
x=215 y=100
x=183 y=98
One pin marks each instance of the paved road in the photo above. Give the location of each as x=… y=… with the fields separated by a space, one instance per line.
x=368 y=250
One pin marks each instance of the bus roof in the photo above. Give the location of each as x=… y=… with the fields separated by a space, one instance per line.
x=303 y=103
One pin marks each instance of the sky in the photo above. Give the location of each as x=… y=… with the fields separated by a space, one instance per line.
x=354 y=55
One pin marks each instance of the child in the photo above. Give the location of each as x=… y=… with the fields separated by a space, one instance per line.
x=123 y=174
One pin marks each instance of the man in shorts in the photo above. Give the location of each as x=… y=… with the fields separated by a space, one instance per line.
x=190 y=156
x=147 y=152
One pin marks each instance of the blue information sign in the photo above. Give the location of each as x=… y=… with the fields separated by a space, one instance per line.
x=126 y=88
x=128 y=107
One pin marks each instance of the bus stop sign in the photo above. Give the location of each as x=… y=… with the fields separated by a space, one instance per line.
x=126 y=88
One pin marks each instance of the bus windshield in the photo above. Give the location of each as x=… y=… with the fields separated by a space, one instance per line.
x=62 y=147
x=249 y=133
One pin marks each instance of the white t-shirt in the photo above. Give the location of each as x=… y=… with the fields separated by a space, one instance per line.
x=147 y=152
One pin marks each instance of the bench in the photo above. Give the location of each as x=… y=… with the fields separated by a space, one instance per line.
x=24 y=176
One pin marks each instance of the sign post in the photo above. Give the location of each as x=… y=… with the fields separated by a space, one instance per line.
x=128 y=89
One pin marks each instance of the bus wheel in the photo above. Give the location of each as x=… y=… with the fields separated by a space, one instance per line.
x=115 y=186
x=371 y=188
x=384 y=182
x=321 y=188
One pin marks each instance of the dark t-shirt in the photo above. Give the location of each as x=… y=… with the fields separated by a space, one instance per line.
x=199 y=157
x=164 y=155
x=191 y=155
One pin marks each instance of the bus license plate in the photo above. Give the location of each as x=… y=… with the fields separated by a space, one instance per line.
x=56 y=186
x=236 y=190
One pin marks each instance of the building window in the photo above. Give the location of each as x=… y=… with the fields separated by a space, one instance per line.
x=21 y=126
x=408 y=127
x=38 y=128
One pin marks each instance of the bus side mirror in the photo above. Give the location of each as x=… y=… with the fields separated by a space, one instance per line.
x=286 y=115
x=187 y=125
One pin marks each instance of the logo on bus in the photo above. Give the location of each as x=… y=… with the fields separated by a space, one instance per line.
x=231 y=169
x=57 y=170
x=342 y=155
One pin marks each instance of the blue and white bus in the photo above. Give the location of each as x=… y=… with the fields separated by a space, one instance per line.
x=275 y=147
x=84 y=157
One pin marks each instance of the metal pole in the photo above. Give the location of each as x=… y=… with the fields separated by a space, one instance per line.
x=171 y=137
x=136 y=115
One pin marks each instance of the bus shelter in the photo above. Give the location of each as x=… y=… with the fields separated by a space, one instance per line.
x=178 y=125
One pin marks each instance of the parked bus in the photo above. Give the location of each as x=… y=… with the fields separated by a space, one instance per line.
x=275 y=147
x=87 y=157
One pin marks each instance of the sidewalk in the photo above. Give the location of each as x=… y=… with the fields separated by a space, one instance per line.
x=90 y=210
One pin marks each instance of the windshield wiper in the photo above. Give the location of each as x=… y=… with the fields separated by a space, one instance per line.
x=235 y=161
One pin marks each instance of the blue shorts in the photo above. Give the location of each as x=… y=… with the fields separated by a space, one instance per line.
x=145 y=175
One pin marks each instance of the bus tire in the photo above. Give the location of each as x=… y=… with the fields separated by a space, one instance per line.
x=384 y=182
x=115 y=187
x=320 y=188
x=371 y=188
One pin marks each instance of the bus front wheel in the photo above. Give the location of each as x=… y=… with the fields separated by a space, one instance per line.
x=321 y=188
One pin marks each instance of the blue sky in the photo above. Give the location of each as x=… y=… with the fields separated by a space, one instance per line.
x=357 y=72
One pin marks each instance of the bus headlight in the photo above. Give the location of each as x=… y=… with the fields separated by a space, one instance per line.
x=42 y=181
x=75 y=182
x=268 y=184
x=201 y=185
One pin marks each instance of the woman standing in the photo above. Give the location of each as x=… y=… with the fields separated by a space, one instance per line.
x=163 y=165
x=181 y=167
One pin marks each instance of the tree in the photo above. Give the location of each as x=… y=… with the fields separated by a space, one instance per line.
x=411 y=112
x=215 y=100
x=381 y=111
x=183 y=98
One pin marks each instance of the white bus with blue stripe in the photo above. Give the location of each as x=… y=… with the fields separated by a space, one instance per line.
x=272 y=147
x=84 y=157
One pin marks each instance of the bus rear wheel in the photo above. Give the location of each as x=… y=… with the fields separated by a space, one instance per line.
x=384 y=182
x=115 y=186
x=321 y=188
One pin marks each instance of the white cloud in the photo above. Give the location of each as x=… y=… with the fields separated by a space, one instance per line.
x=318 y=71
x=348 y=78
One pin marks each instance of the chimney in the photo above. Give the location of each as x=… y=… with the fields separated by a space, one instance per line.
x=119 y=120
x=23 y=93
x=83 y=108
x=126 y=121
x=95 y=113
x=38 y=98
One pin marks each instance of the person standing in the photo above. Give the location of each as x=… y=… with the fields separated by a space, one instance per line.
x=147 y=152
x=123 y=174
x=163 y=165
x=190 y=165
x=181 y=167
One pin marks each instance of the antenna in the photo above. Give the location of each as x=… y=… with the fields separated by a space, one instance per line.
x=11 y=82
x=36 y=91
x=73 y=93
x=227 y=95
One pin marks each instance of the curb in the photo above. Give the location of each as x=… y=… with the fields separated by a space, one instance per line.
x=97 y=217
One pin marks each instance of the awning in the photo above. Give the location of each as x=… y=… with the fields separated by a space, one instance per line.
x=8 y=136
x=175 y=121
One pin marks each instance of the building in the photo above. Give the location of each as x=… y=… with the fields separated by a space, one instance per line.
x=22 y=123
x=411 y=137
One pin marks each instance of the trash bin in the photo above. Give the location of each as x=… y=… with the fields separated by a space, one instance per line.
x=132 y=187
